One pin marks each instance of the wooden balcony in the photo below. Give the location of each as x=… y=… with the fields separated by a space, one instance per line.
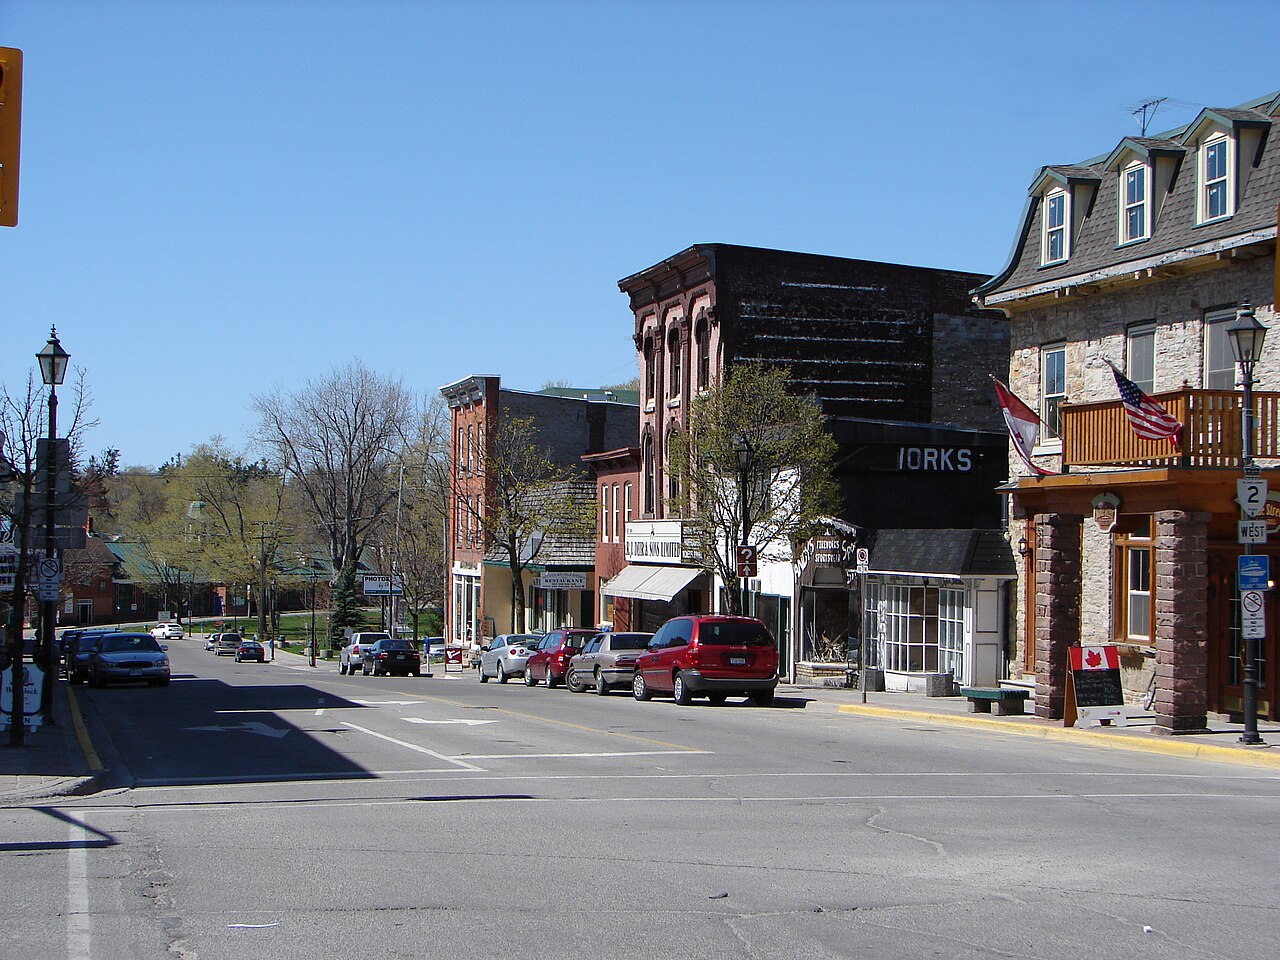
x=1098 y=434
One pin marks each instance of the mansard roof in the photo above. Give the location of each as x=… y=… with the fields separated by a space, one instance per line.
x=1175 y=235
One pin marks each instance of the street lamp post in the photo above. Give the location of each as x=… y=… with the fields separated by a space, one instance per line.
x=1246 y=335
x=311 y=647
x=53 y=370
x=742 y=447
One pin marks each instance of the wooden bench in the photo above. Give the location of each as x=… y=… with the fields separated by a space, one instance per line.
x=1007 y=700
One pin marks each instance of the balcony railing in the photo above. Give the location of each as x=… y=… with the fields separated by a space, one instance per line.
x=1099 y=434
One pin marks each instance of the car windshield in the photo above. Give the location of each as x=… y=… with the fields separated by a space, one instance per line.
x=733 y=633
x=630 y=641
x=250 y=643
x=126 y=644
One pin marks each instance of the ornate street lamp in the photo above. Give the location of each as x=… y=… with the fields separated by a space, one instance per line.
x=1246 y=335
x=53 y=370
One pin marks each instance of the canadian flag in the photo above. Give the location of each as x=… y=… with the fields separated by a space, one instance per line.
x=1096 y=658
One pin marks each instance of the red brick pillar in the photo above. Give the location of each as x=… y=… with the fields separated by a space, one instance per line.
x=1057 y=573
x=1182 y=621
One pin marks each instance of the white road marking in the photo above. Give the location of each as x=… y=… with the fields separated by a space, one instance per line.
x=469 y=723
x=412 y=746
x=78 y=894
x=386 y=703
x=250 y=726
x=580 y=756
x=320 y=712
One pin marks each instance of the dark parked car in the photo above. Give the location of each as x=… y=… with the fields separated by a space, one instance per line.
x=608 y=660
x=551 y=660
x=711 y=656
x=388 y=656
x=250 y=650
x=135 y=657
x=75 y=656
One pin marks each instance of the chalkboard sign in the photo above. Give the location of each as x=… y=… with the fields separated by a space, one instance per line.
x=1095 y=695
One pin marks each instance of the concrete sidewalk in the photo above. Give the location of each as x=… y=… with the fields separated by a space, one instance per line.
x=1220 y=743
x=57 y=760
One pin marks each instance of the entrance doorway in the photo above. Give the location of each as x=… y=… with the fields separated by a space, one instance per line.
x=1226 y=646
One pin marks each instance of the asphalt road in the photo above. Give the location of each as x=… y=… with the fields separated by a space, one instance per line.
x=275 y=811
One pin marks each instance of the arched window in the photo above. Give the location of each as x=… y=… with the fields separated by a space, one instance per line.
x=649 y=372
x=673 y=368
x=646 y=479
x=702 y=337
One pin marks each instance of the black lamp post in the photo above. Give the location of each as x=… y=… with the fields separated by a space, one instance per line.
x=742 y=447
x=53 y=370
x=311 y=647
x=1246 y=335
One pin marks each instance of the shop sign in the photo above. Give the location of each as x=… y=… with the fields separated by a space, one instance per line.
x=561 y=581
x=654 y=541
x=935 y=459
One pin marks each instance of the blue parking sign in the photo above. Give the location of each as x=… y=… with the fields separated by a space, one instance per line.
x=1253 y=572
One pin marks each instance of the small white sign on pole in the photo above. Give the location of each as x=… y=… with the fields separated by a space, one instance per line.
x=1252 y=531
x=1251 y=494
x=1253 y=615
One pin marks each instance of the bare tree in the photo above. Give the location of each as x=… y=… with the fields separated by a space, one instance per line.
x=339 y=438
x=417 y=548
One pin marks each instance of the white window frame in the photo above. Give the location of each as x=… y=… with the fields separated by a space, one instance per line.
x=616 y=523
x=1145 y=379
x=1063 y=229
x=1129 y=205
x=1218 y=320
x=1050 y=401
x=1226 y=180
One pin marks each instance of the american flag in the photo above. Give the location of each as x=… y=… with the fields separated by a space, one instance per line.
x=1149 y=419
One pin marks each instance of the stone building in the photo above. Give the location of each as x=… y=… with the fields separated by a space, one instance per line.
x=1139 y=260
x=885 y=346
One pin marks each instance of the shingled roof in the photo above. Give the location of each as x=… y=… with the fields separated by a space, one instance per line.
x=950 y=553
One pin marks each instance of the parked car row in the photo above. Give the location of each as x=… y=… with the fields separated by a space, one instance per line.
x=379 y=654
x=708 y=656
x=105 y=656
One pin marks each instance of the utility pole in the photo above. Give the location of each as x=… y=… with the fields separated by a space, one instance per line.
x=262 y=580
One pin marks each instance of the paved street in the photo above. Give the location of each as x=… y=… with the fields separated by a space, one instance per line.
x=274 y=811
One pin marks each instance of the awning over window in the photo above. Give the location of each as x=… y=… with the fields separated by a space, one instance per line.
x=644 y=582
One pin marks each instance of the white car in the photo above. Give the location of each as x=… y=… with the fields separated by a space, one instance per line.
x=167 y=631
x=351 y=658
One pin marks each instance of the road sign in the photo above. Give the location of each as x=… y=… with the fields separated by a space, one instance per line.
x=8 y=568
x=746 y=560
x=1253 y=614
x=1253 y=572
x=1251 y=531
x=381 y=586
x=863 y=560
x=1251 y=494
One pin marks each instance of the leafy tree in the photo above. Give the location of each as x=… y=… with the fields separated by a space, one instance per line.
x=346 y=606
x=788 y=480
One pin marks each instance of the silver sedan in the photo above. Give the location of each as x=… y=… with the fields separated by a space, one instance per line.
x=607 y=661
x=505 y=656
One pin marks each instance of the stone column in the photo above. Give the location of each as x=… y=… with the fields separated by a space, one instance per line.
x=1057 y=596
x=1182 y=621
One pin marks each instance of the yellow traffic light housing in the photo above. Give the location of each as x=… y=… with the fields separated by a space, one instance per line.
x=10 y=133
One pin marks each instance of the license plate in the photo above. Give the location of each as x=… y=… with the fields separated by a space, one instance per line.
x=737 y=661
x=135 y=673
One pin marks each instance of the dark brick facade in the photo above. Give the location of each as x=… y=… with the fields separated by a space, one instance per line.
x=1182 y=642
x=1057 y=572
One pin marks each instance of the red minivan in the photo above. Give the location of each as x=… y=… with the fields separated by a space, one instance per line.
x=550 y=661
x=711 y=656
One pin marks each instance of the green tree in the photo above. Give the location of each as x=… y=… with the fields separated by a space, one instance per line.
x=346 y=606
x=787 y=482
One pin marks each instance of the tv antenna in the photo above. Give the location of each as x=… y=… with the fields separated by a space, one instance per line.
x=1144 y=113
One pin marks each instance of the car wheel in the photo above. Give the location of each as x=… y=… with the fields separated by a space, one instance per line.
x=342 y=669
x=502 y=673
x=640 y=689
x=571 y=682
x=484 y=677
x=764 y=699
x=716 y=698
x=551 y=680
x=680 y=691
x=602 y=688
x=528 y=678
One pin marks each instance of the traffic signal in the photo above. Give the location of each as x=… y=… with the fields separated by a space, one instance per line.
x=10 y=133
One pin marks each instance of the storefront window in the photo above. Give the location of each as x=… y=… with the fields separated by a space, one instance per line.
x=1135 y=611
x=919 y=629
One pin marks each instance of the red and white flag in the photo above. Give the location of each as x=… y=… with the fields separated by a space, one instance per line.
x=1023 y=424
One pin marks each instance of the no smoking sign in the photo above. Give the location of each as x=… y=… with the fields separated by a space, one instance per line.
x=1253 y=614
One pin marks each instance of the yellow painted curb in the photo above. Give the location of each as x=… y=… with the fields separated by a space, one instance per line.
x=1169 y=746
x=82 y=734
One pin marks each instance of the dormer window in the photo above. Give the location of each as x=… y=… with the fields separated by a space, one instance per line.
x=1054 y=243
x=1216 y=198
x=1136 y=196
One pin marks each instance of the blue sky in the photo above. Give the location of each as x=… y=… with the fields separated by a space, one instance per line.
x=223 y=195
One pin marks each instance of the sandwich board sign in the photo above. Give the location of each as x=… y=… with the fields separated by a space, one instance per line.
x=1094 y=691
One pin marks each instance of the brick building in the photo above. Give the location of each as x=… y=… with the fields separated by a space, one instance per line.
x=1140 y=259
x=561 y=590
x=884 y=345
